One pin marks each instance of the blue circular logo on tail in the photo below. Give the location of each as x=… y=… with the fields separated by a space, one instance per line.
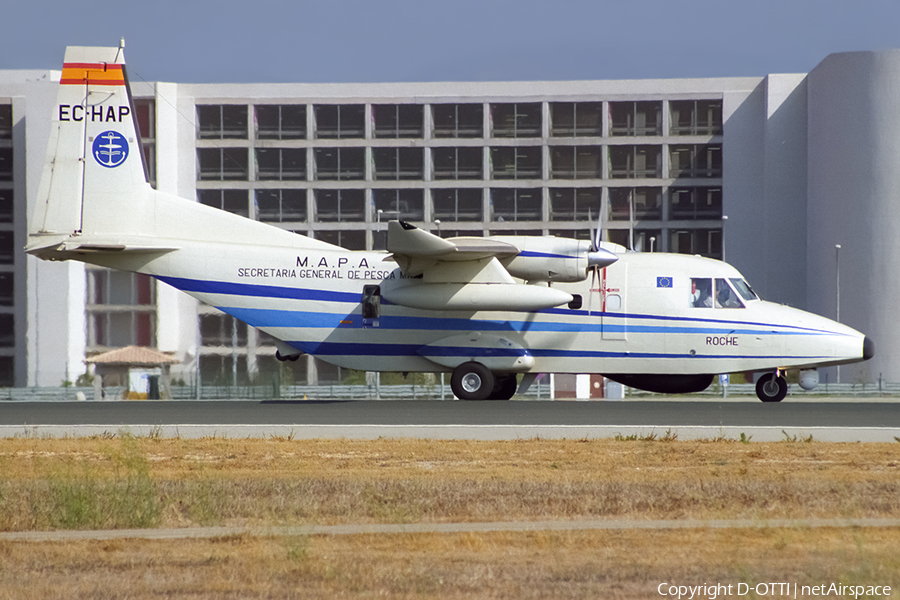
x=110 y=149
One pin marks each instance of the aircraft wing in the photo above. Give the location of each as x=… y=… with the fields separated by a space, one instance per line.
x=416 y=250
x=461 y=274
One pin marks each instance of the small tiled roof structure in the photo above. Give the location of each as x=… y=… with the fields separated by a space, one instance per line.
x=133 y=356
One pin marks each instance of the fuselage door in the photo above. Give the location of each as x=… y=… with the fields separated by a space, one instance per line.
x=371 y=305
x=610 y=296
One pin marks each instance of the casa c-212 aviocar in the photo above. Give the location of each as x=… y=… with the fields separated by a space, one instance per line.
x=493 y=311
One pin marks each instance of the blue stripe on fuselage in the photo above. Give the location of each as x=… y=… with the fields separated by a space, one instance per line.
x=286 y=318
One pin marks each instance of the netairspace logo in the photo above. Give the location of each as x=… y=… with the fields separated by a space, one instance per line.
x=773 y=590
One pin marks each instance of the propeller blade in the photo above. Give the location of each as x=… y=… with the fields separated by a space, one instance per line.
x=594 y=245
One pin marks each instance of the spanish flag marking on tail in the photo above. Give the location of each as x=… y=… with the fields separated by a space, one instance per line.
x=92 y=73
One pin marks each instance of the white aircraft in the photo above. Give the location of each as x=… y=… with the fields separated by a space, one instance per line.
x=485 y=309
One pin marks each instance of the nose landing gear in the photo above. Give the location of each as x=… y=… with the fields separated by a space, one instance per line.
x=771 y=387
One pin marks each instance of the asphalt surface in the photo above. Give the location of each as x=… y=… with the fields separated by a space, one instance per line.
x=853 y=420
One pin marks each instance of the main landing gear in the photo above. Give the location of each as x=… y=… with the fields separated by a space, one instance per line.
x=474 y=381
x=771 y=387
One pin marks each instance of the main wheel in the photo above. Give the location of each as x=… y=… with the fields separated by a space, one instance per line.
x=472 y=381
x=505 y=387
x=771 y=388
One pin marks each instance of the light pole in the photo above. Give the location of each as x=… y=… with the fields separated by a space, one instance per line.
x=378 y=224
x=724 y=222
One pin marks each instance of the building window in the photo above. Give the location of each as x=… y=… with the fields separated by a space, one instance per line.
x=281 y=164
x=516 y=163
x=6 y=206
x=638 y=204
x=457 y=163
x=457 y=204
x=7 y=331
x=399 y=120
x=575 y=204
x=334 y=206
x=635 y=118
x=576 y=162
x=145 y=116
x=121 y=309
x=340 y=164
x=349 y=240
x=7 y=289
x=576 y=119
x=402 y=205
x=6 y=164
x=706 y=242
x=222 y=122
x=695 y=161
x=219 y=329
x=398 y=163
x=639 y=240
x=522 y=119
x=280 y=121
x=6 y=124
x=223 y=164
x=7 y=371
x=633 y=162
x=233 y=201
x=340 y=121
x=224 y=369
x=7 y=248
x=695 y=117
x=279 y=206
x=692 y=204
x=515 y=204
x=458 y=120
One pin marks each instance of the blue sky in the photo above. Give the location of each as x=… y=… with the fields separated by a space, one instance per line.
x=466 y=40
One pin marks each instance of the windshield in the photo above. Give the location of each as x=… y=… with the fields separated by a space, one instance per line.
x=743 y=288
x=707 y=292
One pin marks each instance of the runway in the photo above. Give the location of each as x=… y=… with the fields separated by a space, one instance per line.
x=839 y=421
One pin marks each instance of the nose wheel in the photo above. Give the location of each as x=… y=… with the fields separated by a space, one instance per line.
x=771 y=387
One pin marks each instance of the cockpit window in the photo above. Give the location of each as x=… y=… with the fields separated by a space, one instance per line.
x=743 y=288
x=714 y=293
x=701 y=292
x=725 y=296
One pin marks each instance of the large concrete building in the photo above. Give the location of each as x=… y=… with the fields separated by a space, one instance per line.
x=771 y=173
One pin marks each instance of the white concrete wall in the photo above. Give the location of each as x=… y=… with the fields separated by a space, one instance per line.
x=854 y=189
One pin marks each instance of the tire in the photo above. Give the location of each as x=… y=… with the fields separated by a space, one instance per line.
x=505 y=387
x=472 y=381
x=771 y=388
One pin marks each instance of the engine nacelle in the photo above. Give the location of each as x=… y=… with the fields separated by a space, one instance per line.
x=553 y=259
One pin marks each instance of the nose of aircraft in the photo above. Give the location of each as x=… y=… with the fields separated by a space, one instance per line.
x=868 y=348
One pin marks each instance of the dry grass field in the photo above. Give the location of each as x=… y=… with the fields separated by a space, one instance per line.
x=105 y=483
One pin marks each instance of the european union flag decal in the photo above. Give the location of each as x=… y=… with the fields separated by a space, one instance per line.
x=663 y=282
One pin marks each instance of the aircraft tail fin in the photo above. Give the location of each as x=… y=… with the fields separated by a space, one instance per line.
x=94 y=158
x=94 y=194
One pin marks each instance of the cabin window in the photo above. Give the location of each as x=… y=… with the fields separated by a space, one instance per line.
x=709 y=293
x=576 y=302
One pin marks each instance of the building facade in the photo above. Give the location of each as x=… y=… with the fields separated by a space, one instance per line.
x=751 y=170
